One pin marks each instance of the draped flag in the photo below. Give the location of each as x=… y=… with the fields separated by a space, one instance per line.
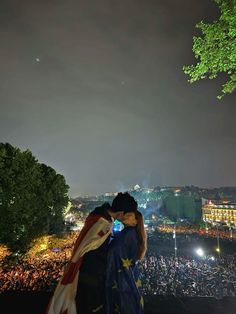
x=123 y=285
x=95 y=231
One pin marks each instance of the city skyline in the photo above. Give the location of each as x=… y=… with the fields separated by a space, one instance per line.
x=138 y=188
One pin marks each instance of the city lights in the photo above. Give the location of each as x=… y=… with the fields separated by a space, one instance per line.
x=200 y=252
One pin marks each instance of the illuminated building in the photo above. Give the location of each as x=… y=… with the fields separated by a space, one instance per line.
x=224 y=213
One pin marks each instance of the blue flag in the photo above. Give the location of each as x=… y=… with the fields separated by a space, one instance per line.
x=123 y=285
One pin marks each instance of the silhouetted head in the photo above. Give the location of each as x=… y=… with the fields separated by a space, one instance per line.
x=124 y=202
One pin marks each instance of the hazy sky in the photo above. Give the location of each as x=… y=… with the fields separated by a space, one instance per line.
x=95 y=89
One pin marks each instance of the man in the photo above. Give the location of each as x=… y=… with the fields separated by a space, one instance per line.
x=81 y=290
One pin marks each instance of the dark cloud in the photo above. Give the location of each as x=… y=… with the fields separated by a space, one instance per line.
x=96 y=90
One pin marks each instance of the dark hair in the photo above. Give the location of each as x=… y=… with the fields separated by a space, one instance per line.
x=142 y=235
x=124 y=202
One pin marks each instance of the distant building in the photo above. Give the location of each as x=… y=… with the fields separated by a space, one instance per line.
x=179 y=206
x=219 y=212
x=137 y=187
x=111 y=194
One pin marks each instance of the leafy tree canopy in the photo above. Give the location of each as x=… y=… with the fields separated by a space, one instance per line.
x=32 y=198
x=215 y=49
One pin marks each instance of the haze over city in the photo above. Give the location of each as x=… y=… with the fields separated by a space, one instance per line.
x=96 y=90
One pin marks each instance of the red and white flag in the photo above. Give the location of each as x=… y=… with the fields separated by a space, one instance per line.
x=95 y=231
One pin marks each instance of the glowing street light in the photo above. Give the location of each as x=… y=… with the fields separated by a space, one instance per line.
x=200 y=252
x=218 y=241
x=174 y=237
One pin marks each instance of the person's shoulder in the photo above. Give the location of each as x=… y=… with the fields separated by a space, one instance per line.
x=127 y=232
x=120 y=236
x=102 y=211
x=124 y=239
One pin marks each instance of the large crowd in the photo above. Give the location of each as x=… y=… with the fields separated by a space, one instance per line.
x=162 y=272
x=34 y=274
x=209 y=232
x=185 y=276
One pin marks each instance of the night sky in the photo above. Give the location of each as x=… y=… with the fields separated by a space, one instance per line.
x=95 y=89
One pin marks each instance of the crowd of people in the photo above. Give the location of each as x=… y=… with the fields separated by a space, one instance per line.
x=161 y=273
x=185 y=276
x=229 y=234
x=34 y=274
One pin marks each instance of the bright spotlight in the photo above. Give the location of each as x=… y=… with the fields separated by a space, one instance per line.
x=200 y=252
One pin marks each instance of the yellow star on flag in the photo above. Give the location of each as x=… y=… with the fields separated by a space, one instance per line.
x=138 y=283
x=117 y=310
x=115 y=285
x=142 y=302
x=126 y=262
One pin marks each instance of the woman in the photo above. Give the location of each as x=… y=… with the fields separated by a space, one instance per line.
x=123 y=285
